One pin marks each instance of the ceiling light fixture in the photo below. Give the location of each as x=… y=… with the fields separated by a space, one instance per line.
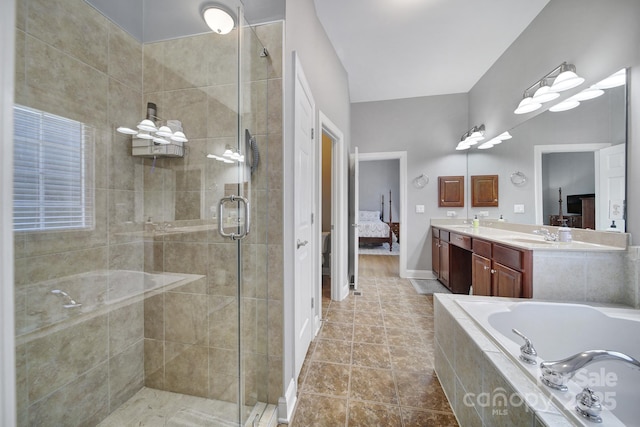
x=564 y=77
x=218 y=18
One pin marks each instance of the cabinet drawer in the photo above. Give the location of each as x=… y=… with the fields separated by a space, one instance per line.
x=461 y=241
x=444 y=235
x=436 y=232
x=508 y=256
x=482 y=248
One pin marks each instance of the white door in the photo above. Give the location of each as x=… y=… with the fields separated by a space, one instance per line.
x=304 y=114
x=355 y=194
x=611 y=192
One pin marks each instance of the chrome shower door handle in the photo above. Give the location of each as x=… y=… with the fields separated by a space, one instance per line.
x=244 y=231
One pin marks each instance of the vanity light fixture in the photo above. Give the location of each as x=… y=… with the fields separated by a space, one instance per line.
x=148 y=129
x=616 y=79
x=471 y=137
x=567 y=104
x=587 y=94
x=229 y=156
x=564 y=77
x=567 y=79
x=218 y=18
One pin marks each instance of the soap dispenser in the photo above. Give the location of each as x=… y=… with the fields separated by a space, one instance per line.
x=476 y=222
x=564 y=232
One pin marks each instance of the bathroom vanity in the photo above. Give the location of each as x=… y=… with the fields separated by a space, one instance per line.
x=510 y=260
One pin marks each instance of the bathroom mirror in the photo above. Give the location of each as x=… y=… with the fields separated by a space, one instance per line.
x=553 y=150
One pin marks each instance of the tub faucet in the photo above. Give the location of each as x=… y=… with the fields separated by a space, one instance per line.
x=548 y=236
x=68 y=301
x=528 y=354
x=558 y=373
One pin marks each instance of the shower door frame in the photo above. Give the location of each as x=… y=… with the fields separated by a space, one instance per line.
x=7 y=329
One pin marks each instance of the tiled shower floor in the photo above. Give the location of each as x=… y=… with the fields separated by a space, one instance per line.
x=157 y=408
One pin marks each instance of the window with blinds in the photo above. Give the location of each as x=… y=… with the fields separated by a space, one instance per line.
x=53 y=172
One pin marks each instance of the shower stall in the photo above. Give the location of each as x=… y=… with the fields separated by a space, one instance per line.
x=143 y=262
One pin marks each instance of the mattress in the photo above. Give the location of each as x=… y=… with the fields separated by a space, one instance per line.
x=373 y=229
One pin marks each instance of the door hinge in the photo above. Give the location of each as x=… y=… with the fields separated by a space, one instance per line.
x=312 y=218
x=313 y=302
x=312 y=133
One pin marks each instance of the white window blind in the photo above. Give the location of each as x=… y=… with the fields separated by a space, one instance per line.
x=53 y=172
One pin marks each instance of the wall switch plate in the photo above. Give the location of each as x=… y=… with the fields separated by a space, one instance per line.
x=419 y=208
x=518 y=208
x=451 y=213
x=483 y=213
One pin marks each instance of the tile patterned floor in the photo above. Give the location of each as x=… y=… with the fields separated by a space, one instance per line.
x=372 y=362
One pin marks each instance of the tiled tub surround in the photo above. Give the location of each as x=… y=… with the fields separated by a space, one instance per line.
x=485 y=384
x=598 y=267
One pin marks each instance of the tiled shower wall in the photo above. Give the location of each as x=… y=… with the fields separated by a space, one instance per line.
x=73 y=62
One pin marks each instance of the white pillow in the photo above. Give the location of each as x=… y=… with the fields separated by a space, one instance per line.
x=369 y=215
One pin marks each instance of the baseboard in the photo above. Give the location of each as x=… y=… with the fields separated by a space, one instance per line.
x=287 y=403
x=420 y=274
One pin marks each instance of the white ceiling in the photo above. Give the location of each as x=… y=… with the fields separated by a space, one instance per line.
x=407 y=48
x=390 y=48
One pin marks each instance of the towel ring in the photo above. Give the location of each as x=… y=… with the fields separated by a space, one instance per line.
x=421 y=181
x=518 y=178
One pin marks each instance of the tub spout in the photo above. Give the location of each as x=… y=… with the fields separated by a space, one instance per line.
x=556 y=374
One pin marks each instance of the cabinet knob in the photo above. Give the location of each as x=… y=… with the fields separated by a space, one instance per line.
x=493 y=271
x=486 y=267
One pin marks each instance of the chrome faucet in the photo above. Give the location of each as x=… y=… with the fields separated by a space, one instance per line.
x=548 y=236
x=68 y=301
x=557 y=374
x=528 y=354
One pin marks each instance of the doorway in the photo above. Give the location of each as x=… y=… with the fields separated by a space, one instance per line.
x=398 y=200
x=332 y=224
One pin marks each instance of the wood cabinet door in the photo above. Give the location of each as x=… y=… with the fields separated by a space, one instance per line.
x=451 y=191
x=506 y=282
x=444 y=263
x=481 y=275
x=435 y=256
x=484 y=191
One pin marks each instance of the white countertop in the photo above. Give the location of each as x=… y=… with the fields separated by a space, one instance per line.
x=523 y=240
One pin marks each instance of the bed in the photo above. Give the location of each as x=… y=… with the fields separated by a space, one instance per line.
x=372 y=230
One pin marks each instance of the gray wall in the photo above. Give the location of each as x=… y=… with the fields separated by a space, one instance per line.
x=328 y=81
x=427 y=128
x=377 y=178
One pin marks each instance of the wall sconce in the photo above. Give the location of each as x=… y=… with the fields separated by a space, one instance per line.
x=218 y=18
x=564 y=77
x=148 y=129
x=229 y=156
